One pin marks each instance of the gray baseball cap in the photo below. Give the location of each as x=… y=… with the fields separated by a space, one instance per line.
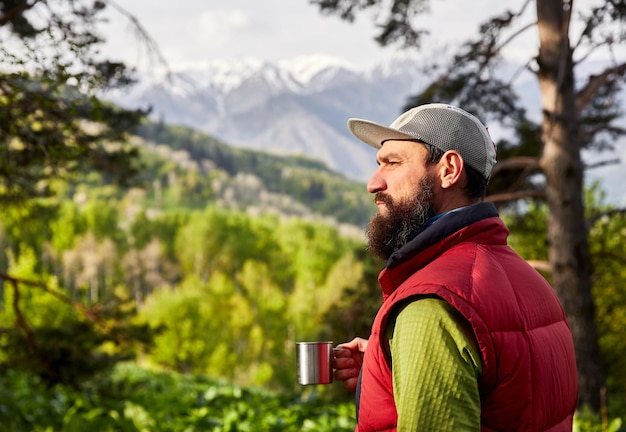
x=440 y=125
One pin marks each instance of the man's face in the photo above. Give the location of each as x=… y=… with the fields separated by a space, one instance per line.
x=402 y=221
x=404 y=192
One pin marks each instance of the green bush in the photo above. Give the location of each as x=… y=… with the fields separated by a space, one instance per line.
x=136 y=399
x=587 y=421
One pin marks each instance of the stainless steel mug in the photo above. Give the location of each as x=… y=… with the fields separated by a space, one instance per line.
x=315 y=362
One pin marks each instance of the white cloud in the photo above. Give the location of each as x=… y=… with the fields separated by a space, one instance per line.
x=216 y=27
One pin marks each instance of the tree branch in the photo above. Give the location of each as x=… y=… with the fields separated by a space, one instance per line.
x=513 y=196
x=605 y=127
x=520 y=30
x=527 y=163
x=90 y=313
x=602 y=163
x=593 y=220
x=586 y=94
x=514 y=35
x=142 y=34
x=20 y=321
x=592 y=49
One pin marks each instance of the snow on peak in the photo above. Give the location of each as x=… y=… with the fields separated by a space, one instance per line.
x=224 y=74
x=295 y=73
x=305 y=68
x=302 y=74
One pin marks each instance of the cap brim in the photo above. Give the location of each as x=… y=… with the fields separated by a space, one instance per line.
x=374 y=134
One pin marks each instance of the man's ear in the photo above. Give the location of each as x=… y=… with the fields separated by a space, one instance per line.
x=450 y=168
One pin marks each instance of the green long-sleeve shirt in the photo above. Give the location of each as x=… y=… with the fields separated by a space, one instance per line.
x=436 y=366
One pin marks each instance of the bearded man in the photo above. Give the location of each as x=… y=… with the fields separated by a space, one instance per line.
x=469 y=336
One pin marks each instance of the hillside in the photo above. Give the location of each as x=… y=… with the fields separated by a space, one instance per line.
x=203 y=169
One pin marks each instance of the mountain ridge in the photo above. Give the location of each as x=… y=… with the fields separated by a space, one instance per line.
x=300 y=106
x=291 y=107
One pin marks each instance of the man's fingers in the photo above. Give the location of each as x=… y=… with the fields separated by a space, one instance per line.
x=344 y=363
x=342 y=352
x=346 y=374
x=343 y=359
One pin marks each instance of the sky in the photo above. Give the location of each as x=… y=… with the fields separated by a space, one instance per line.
x=189 y=32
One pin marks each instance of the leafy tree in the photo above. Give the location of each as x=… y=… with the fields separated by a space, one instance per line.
x=102 y=219
x=579 y=112
x=66 y=226
x=223 y=240
x=165 y=227
x=251 y=286
x=147 y=269
x=53 y=127
x=51 y=336
x=52 y=122
x=607 y=228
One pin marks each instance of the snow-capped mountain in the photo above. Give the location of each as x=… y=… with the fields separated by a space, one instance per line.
x=297 y=106
x=300 y=106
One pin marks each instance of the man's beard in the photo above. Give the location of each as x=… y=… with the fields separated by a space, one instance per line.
x=403 y=221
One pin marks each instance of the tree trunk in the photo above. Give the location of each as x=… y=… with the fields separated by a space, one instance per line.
x=561 y=163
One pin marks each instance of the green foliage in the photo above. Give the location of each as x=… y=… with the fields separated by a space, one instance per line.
x=52 y=341
x=218 y=239
x=226 y=170
x=224 y=287
x=134 y=399
x=252 y=286
x=608 y=249
x=528 y=228
x=189 y=337
x=26 y=226
x=66 y=354
x=68 y=225
x=353 y=313
x=101 y=218
x=587 y=421
x=51 y=123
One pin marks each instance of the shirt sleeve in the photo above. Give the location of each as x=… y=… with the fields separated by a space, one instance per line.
x=436 y=366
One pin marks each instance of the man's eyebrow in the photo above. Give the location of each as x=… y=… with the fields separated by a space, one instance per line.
x=387 y=156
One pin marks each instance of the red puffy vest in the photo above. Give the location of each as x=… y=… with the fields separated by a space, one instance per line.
x=529 y=380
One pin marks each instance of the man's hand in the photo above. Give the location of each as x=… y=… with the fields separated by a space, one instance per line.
x=347 y=362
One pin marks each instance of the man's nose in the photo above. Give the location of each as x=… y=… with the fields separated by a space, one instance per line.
x=376 y=183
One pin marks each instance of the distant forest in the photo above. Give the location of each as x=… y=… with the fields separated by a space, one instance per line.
x=240 y=178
